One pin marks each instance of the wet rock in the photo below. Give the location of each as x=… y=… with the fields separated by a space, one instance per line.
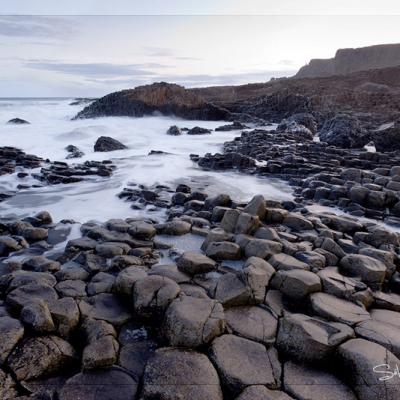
x=105 y=143
x=247 y=223
x=100 y=283
x=310 y=339
x=18 y=121
x=236 y=125
x=358 y=358
x=7 y=387
x=197 y=130
x=174 y=131
x=40 y=264
x=40 y=356
x=100 y=353
x=101 y=384
x=193 y=263
x=251 y=322
x=307 y=383
x=142 y=230
x=153 y=294
x=25 y=294
x=175 y=373
x=170 y=271
x=241 y=362
x=71 y=288
x=297 y=222
x=192 y=322
x=256 y=206
x=74 y=152
x=8 y=245
x=175 y=228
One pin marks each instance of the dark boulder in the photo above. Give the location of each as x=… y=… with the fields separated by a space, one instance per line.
x=174 y=131
x=344 y=131
x=74 y=152
x=197 y=130
x=18 y=121
x=305 y=119
x=105 y=143
x=387 y=138
x=231 y=127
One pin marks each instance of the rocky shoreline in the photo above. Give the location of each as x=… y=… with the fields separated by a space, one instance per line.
x=275 y=304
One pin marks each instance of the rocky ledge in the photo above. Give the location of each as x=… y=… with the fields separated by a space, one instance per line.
x=164 y=98
x=276 y=304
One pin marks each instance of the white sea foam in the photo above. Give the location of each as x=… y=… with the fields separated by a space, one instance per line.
x=51 y=130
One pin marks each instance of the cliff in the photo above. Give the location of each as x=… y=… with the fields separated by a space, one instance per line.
x=352 y=60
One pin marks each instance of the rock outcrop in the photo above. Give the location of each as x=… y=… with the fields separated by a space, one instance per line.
x=164 y=98
x=352 y=60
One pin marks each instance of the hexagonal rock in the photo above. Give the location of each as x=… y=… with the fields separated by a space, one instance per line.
x=37 y=316
x=193 y=263
x=24 y=295
x=386 y=335
x=171 y=271
x=297 y=222
x=256 y=206
x=296 y=283
x=153 y=294
x=370 y=270
x=103 y=384
x=285 y=262
x=11 y=332
x=180 y=374
x=105 y=306
x=100 y=353
x=364 y=363
x=229 y=220
x=388 y=301
x=174 y=228
x=251 y=322
x=223 y=251
x=310 y=339
x=125 y=280
x=192 y=322
x=65 y=314
x=259 y=392
x=334 y=309
x=386 y=316
x=262 y=248
x=305 y=383
x=242 y=362
x=247 y=223
x=40 y=356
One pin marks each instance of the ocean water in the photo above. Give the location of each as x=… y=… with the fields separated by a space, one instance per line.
x=51 y=130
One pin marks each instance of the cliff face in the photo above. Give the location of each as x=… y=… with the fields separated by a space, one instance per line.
x=352 y=60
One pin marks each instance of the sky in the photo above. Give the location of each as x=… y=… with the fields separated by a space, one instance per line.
x=86 y=49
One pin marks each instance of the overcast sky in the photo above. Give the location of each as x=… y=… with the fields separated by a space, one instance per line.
x=93 y=55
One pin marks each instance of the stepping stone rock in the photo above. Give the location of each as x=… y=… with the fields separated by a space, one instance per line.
x=386 y=317
x=305 y=383
x=262 y=248
x=125 y=280
x=242 y=362
x=193 y=263
x=7 y=387
x=251 y=322
x=37 y=317
x=384 y=334
x=11 y=332
x=24 y=295
x=40 y=356
x=103 y=384
x=174 y=228
x=364 y=363
x=180 y=374
x=153 y=294
x=335 y=309
x=105 y=306
x=259 y=392
x=223 y=251
x=310 y=339
x=296 y=283
x=387 y=301
x=256 y=206
x=65 y=315
x=371 y=271
x=192 y=322
x=285 y=262
x=105 y=143
x=297 y=223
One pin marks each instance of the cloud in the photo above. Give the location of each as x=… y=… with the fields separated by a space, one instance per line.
x=96 y=70
x=152 y=51
x=36 y=27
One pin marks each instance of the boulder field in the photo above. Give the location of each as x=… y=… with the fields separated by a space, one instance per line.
x=276 y=304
